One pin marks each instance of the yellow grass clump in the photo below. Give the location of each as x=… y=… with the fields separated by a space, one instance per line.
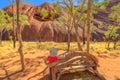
x=7 y=50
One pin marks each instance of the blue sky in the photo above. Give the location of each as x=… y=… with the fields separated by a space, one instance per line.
x=4 y=3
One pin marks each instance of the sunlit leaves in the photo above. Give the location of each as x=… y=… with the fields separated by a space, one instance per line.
x=83 y=16
x=62 y=18
x=44 y=13
x=112 y=32
x=4 y=19
x=57 y=9
x=23 y=19
x=92 y=28
x=103 y=5
x=115 y=15
x=52 y=15
x=9 y=28
x=61 y=21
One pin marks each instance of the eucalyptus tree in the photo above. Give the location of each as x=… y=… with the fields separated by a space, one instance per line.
x=19 y=28
x=92 y=6
x=115 y=15
x=43 y=14
x=19 y=20
x=80 y=17
x=112 y=32
x=62 y=21
x=13 y=24
x=112 y=35
x=4 y=22
x=89 y=16
x=23 y=20
x=65 y=23
x=88 y=24
x=71 y=10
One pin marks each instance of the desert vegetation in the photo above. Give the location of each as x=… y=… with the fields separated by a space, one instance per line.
x=28 y=32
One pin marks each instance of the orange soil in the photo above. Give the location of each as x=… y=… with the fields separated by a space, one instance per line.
x=109 y=67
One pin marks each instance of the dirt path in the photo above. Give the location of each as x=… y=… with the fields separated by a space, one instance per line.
x=109 y=68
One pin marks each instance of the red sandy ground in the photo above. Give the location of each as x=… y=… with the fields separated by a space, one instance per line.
x=109 y=68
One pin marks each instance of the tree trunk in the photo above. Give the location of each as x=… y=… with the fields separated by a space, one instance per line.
x=19 y=37
x=115 y=42
x=88 y=25
x=108 y=44
x=74 y=24
x=14 y=31
x=83 y=35
x=77 y=36
x=50 y=73
x=1 y=37
x=68 y=39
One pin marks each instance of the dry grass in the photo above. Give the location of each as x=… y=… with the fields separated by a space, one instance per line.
x=7 y=50
x=34 y=61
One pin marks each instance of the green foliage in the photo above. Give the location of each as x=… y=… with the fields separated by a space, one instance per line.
x=101 y=5
x=80 y=10
x=92 y=12
x=57 y=9
x=92 y=27
x=4 y=19
x=74 y=10
x=115 y=15
x=53 y=15
x=44 y=13
x=9 y=28
x=23 y=19
x=84 y=75
x=62 y=18
x=61 y=21
x=107 y=33
x=112 y=32
x=83 y=16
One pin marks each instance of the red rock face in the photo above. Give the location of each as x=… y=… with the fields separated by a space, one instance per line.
x=102 y=16
x=47 y=30
x=40 y=30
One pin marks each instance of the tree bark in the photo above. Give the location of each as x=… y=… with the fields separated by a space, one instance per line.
x=115 y=42
x=14 y=30
x=108 y=44
x=77 y=36
x=78 y=40
x=20 y=38
x=50 y=73
x=1 y=37
x=88 y=25
x=83 y=35
x=68 y=39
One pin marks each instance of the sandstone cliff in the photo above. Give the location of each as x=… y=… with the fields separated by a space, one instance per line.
x=47 y=30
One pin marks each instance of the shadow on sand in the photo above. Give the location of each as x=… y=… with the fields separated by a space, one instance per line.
x=9 y=75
